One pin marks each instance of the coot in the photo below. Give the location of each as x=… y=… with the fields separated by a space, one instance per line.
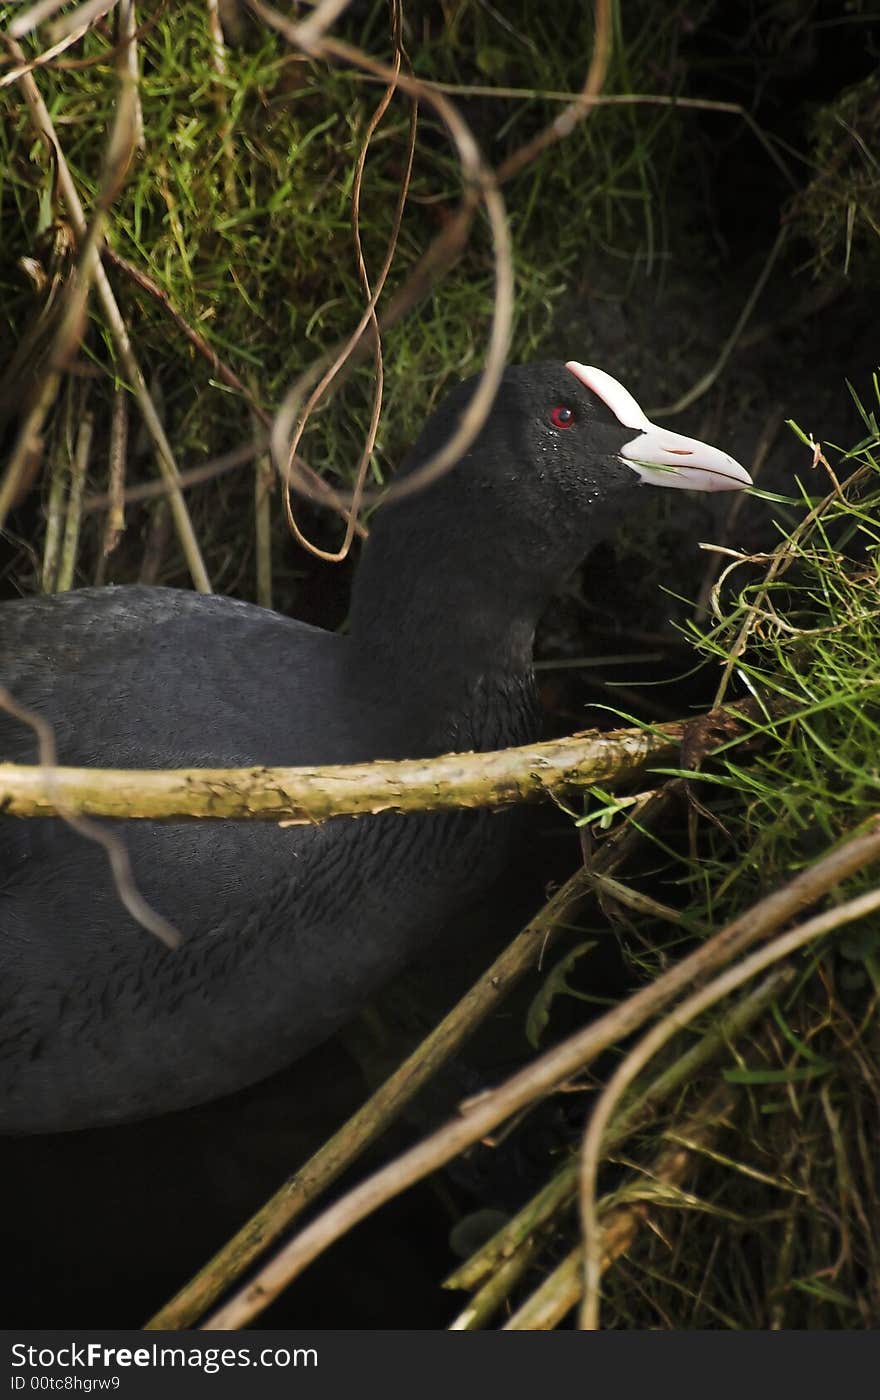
x=287 y=931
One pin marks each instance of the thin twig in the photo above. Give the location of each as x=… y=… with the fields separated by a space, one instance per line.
x=564 y=124
x=388 y=1102
x=195 y=338
x=239 y=456
x=264 y=478
x=218 y=59
x=769 y=433
x=620 y=99
x=477 y=176
x=42 y=60
x=128 y=35
x=85 y=15
x=58 y=472
x=78 y=468
x=115 y=522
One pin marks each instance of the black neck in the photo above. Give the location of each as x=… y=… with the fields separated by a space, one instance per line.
x=449 y=629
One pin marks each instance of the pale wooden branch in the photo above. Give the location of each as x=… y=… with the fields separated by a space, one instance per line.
x=303 y=796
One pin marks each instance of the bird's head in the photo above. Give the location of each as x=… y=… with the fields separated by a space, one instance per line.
x=555 y=467
x=564 y=457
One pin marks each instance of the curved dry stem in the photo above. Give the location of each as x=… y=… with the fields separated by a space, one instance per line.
x=654 y=1041
x=483 y=185
x=476 y=174
x=368 y=318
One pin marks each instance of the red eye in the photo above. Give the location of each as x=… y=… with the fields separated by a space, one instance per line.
x=561 y=416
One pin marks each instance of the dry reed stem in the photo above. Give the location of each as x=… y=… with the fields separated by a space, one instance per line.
x=165 y=457
x=487 y=1112
x=74 y=305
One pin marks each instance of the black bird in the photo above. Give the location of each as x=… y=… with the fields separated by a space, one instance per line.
x=287 y=931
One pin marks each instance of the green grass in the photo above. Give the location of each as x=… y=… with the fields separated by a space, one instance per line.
x=255 y=251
